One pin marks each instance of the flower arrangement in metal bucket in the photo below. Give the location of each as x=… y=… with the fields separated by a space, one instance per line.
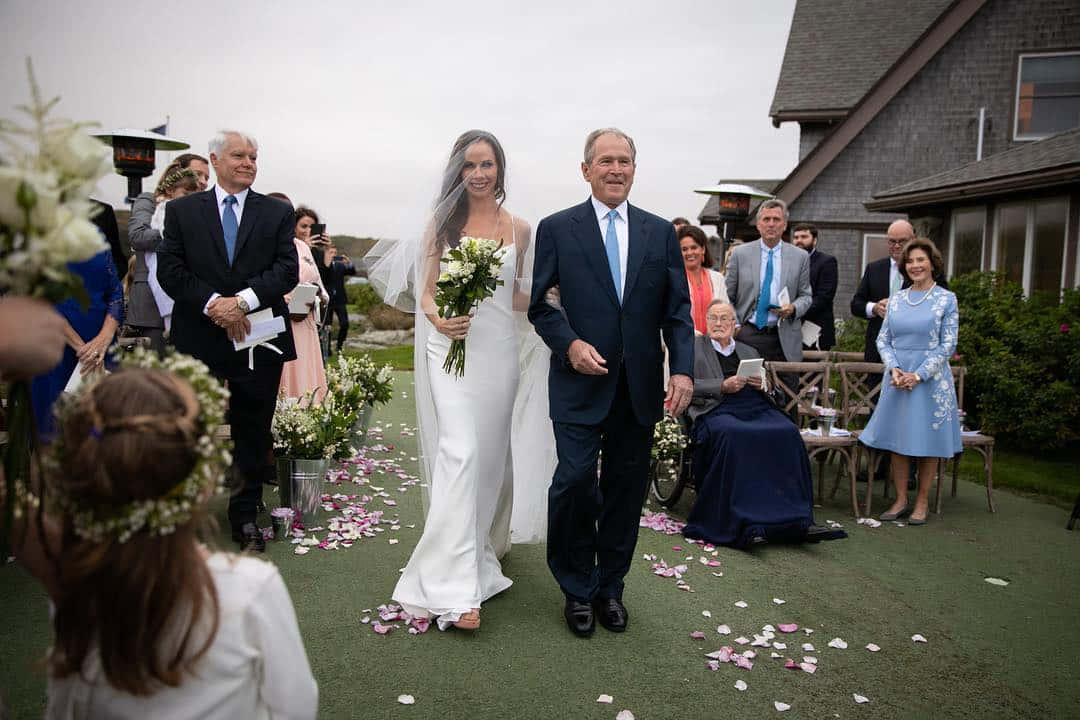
x=359 y=381
x=669 y=441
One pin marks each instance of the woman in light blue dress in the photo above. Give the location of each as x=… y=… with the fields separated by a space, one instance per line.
x=916 y=415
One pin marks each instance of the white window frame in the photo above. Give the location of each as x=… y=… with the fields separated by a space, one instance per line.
x=952 y=237
x=865 y=241
x=1016 y=94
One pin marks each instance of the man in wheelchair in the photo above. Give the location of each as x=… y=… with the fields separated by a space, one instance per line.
x=749 y=462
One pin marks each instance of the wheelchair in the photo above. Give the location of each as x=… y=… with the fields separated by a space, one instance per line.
x=669 y=477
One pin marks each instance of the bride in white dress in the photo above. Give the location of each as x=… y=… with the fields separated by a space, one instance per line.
x=476 y=430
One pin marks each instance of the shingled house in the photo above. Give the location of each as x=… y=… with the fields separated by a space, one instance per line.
x=957 y=114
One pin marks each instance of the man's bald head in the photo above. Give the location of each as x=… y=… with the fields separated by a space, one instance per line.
x=899 y=232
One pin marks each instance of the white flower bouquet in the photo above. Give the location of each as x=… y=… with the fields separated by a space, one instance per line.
x=358 y=381
x=48 y=168
x=471 y=276
x=305 y=429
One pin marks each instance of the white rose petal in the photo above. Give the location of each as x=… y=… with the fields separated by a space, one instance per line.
x=740 y=604
x=778 y=601
x=918 y=638
x=624 y=715
x=860 y=698
x=607 y=699
x=781 y=707
x=838 y=644
x=706 y=613
x=740 y=685
x=406 y=699
x=723 y=630
x=872 y=647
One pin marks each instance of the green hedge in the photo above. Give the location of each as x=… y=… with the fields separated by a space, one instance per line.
x=1023 y=361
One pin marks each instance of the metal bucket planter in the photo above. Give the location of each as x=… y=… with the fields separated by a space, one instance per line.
x=360 y=429
x=300 y=486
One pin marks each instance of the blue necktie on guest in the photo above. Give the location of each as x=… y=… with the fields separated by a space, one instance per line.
x=229 y=227
x=761 y=318
x=611 y=244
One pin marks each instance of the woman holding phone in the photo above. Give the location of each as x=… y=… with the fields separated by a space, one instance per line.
x=306 y=373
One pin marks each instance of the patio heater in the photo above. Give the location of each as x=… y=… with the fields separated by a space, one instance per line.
x=133 y=154
x=733 y=206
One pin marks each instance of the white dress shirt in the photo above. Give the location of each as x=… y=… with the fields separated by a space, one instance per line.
x=247 y=294
x=774 y=288
x=895 y=278
x=724 y=350
x=622 y=233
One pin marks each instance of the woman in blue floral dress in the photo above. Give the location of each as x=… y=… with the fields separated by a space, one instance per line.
x=916 y=415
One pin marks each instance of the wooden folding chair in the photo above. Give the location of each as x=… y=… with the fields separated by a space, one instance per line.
x=980 y=443
x=860 y=388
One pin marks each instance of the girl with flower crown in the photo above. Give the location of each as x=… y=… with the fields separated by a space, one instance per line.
x=148 y=622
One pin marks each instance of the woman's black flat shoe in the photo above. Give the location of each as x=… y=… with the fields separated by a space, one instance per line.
x=890 y=516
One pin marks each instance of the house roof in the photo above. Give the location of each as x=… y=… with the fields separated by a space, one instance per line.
x=709 y=213
x=838 y=49
x=1052 y=161
x=884 y=89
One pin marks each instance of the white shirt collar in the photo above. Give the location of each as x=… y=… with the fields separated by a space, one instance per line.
x=724 y=350
x=221 y=194
x=602 y=210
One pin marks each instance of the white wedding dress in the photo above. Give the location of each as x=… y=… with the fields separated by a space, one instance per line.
x=455 y=566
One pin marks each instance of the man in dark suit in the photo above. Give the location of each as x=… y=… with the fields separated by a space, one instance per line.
x=824 y=276
x=621 y=283
x=226 y=252
x=880 y=280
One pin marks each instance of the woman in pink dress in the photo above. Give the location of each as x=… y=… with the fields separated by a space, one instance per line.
x=306 y=373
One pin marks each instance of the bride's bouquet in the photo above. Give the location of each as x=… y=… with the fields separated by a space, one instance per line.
x=471 y=276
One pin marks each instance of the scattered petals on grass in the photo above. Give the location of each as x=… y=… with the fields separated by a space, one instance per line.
x=807 y=647
x=781 y=706
x=872 y=647
x=723 y=630
x=997 y=581
x=838 y=644
x=382 y=629
x=740 y=685
x=918 y=638
x=406 y=699
x=606 y=699
x=624 y=715
x=742 y=640
x=301 y=549
x=860 y=698
x=787 y=627
x=808 y=667
x=697 y=635
x=868 y=522
x=661 y=523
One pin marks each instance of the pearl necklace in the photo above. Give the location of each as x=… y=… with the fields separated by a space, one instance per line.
x=921 y=300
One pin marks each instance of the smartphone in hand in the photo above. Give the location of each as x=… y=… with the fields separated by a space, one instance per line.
x=317 y=231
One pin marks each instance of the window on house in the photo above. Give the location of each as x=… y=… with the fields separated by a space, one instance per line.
x=875 y=247
x=1029 y=243
x=1047 y=95
x=966 y=244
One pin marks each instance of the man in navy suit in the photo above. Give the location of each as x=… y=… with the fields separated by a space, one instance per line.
x=226 y=252
x=824 y=276
x=621 y=284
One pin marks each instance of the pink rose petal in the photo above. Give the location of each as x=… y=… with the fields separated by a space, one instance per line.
x=697 y=635
x=787 y=627
x=808 y=667
x=382 y=629
x=743 y=662
x=723 y=630
x=791 y=664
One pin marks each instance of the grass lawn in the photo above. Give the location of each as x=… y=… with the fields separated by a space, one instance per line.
x=996 y=651
x=399 y=358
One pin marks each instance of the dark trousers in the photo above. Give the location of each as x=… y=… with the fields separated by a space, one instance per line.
x=253 y=395
x=766 y=342
x=593 y=523
x=342 y=313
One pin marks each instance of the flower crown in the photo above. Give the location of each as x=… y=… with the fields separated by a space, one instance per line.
x=160 y=515
x=174 y=178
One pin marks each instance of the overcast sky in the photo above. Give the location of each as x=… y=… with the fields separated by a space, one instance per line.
x=355 y=103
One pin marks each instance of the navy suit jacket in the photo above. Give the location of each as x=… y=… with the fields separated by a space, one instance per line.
x=874 y=286
x=824 y=276
x=656 y=300
x=192 y=265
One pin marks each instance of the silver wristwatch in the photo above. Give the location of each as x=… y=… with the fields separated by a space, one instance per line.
x=241 y=303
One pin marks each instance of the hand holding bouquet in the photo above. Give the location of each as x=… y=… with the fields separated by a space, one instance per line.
x=471 y=276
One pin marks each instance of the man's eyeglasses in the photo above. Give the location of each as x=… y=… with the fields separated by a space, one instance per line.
x=719 y=319
x=893 y=241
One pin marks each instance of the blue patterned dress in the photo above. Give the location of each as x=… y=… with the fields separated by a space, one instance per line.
x=918 y=335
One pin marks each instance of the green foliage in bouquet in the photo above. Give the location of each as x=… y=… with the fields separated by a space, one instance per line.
x=1023 y=361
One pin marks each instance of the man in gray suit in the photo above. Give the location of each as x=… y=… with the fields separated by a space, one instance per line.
x=757 y=274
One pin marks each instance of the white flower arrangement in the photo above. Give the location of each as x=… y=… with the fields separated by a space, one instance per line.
x=471 y=276
x=358 y=381
x=162 y=515
x=305 y=429
x=47 y=170
x=668 y=441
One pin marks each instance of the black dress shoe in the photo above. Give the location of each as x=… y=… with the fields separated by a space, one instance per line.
x=611 y=613
x=579 y=618
x=250 y=537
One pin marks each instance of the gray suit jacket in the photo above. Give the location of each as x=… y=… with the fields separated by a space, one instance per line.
x=142 y=309
x=743 y=278
x=708 y=377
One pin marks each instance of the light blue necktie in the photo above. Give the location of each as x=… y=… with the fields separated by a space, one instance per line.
x=761 y=318
x=611 y=244
x=229 y=227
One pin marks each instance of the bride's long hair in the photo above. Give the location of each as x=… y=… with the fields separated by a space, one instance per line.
x=452 y=208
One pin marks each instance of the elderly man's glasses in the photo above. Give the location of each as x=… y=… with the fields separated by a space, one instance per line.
x=720 y=319
x=894 y=241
